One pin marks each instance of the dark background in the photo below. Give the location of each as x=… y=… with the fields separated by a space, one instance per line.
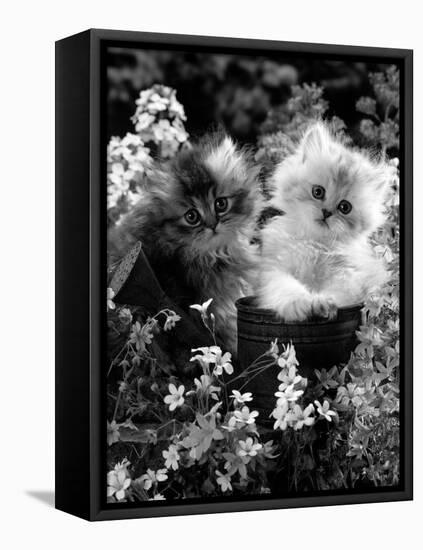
x=230 y=90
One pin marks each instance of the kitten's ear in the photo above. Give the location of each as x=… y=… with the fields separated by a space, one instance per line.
x=315 y=141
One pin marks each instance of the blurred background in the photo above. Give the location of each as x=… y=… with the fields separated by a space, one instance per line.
x=240 y=92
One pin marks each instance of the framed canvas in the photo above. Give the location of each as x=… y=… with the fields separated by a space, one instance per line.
x=244 y=208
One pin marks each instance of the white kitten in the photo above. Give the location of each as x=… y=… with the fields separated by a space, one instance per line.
x=317 y=257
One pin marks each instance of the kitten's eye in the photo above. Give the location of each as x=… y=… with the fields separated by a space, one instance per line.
x=192 y=217
x=318 y=192
x=221 y=205
x=345 y=207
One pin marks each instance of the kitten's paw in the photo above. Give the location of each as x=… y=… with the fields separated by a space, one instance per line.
x=299 y=309
x=323 y=306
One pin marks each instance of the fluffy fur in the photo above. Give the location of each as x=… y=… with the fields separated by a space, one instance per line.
x=316 y=257
x=197 y=243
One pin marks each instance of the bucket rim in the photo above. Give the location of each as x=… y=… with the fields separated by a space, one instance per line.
x=244 y=305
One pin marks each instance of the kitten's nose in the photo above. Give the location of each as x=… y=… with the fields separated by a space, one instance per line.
x=213 y=226
x=326 y=213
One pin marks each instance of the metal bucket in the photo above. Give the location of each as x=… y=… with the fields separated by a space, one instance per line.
x=319 y=344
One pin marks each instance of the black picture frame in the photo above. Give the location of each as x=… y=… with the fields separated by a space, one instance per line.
x=80 y=273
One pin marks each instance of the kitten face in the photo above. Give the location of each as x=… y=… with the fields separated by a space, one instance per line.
x=330 y=192
x=210 y=200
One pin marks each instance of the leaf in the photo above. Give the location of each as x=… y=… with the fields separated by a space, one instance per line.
x=124 y=268
x=139 y=435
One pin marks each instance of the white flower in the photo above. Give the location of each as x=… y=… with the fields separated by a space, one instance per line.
x=324 y=411
x=299 y=418
x=202 y=308
x=118 y=480
x=171 y=321
x=128 y=141
x=151 y=478
x=159 y=118
x=223 y=363
x=175 y=398
x=281 y=417
x=288 y=358
x=224 y=481
x=157 y=103
x=110 y=296
x=288 y=377
x=208 y=354
x=144 y=120
x=289 y=394
x=124 y=465
x=241 y=398
x=213 y=354
x=161 y=130
x=351 y=393
x=244 y=416
x=117 y=175
x=178 y=131
x=171 y=457
x=248 y=449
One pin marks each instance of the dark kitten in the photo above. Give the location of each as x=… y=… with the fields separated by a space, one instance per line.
x=196 y=218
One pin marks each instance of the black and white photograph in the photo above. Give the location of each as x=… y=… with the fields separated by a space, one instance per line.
x=211 y=265
x=253 y=275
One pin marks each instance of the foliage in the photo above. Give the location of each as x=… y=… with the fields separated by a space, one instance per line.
x=285 y=125
x=195 y=433
x=204 y=441
x=381 y=124
x=232 y=90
